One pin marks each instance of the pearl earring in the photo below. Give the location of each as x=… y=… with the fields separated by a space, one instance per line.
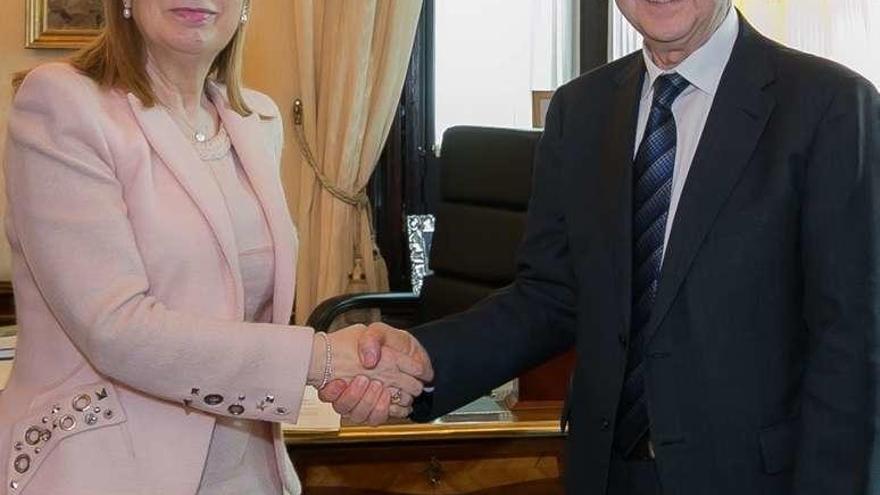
x=244 y=14
x=126 y=10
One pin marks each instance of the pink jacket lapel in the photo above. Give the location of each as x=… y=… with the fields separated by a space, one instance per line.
x=249 y=136
x=180 y=156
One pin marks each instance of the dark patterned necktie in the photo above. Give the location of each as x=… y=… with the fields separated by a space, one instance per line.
x=652 y=188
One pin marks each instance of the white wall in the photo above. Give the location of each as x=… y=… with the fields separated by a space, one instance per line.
x=491 y=54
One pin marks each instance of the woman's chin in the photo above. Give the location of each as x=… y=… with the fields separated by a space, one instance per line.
x=195 y=46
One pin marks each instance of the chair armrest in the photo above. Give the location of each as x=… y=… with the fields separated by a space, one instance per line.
x=323 y=315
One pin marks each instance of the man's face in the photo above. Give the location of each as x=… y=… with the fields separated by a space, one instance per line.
x=674 y=24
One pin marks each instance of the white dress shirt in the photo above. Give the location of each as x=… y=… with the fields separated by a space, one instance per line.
x=703 y=69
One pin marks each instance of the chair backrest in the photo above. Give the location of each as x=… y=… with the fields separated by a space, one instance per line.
x=485 y=182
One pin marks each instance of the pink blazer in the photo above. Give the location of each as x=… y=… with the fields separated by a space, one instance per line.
x=129 y=297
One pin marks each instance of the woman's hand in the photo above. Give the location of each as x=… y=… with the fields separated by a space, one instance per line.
x=369 y=401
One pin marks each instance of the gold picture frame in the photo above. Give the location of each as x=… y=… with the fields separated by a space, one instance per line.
x=62 y=23
x=540 y=104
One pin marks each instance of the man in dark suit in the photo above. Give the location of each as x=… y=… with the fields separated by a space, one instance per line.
x=705 y=229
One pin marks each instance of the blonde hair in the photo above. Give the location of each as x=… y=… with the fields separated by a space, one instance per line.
x=116 y=59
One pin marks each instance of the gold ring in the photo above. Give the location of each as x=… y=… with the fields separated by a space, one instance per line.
x=395 y=397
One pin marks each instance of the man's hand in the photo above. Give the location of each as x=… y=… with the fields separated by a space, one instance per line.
x=359 y=400
x=393 y=368
x=380 y=335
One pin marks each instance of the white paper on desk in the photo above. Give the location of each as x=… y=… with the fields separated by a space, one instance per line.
x=7 y=348
x=7 y=352
x=7 y=330
x=7 y=343
x=314 y=415
x=5 y=369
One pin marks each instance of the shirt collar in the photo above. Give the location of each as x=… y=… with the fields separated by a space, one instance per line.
x=704 y=67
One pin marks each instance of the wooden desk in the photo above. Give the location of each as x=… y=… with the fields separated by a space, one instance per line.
x=518 y=453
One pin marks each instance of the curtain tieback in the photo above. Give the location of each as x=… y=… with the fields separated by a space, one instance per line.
x=358 y=199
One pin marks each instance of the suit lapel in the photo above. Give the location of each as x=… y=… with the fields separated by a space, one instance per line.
x=250 y=139
x=181 y=158
x=736 y=121
x=615 y=176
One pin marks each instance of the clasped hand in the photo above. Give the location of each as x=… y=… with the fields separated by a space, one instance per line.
x=377 y=372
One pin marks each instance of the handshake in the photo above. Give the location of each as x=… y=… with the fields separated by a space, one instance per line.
x=369 y=374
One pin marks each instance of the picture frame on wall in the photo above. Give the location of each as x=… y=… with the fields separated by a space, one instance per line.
x=540 y=104
x=62 y=23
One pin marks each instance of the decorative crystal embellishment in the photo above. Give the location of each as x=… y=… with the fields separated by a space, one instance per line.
x=32 y=435
x=68 y=423
x=81 y=402
x=22 y=463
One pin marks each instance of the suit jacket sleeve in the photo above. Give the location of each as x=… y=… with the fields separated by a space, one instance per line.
x=841 y=262
x=522 y=325
x=67 y=215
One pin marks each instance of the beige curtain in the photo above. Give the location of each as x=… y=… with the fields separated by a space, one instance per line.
x=841 y=30
x=350 y=60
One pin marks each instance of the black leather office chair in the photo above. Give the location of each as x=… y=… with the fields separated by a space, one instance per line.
x=485 y=181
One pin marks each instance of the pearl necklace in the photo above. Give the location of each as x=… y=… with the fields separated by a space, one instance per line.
x=213 y=149
x=196 y=135
x=216 y=148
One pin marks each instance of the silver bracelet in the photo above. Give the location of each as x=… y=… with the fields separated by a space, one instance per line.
x=328 y=360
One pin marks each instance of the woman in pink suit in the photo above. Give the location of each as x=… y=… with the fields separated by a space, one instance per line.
x=153 y=267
